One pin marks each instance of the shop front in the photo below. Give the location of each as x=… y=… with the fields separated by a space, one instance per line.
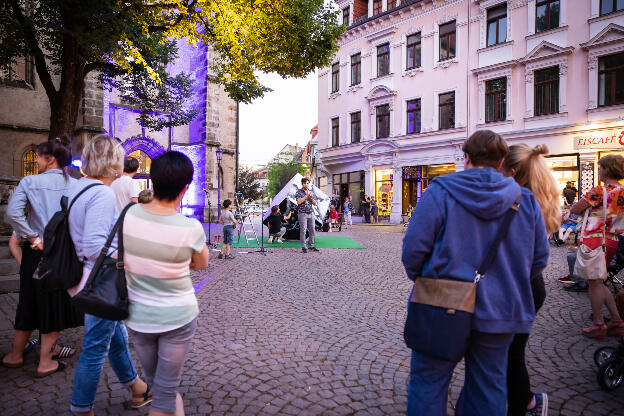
x=565 y=169
x=350 y=184
x=416 y=179
x=383 y=190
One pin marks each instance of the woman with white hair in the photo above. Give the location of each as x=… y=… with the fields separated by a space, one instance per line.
x=90 y=221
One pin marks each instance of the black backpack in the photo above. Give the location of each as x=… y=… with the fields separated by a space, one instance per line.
x=60 y=268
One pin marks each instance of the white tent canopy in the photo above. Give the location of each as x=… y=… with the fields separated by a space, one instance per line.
x=288 y=191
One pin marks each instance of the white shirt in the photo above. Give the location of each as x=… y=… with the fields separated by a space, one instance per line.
x=125 y=188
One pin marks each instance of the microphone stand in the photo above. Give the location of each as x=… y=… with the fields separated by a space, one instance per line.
x=209 y=221
x=262 y=250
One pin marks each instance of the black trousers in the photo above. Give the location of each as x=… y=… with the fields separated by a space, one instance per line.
x=519 y=392
x=367 y=214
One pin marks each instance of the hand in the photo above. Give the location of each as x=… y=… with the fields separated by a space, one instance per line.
x=36 y=243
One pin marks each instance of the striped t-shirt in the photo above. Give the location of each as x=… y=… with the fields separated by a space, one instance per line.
x=157 y=254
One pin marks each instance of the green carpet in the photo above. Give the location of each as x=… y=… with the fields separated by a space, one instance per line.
x=320 y=241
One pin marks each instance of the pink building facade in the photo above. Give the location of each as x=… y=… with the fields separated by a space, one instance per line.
x=414 y=78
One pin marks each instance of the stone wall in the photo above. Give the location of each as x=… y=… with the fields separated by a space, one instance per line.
x=7 y=186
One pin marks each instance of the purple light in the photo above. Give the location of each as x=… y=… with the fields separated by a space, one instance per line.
x=194 y=200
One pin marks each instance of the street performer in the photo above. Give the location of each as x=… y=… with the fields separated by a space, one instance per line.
x=305 y=215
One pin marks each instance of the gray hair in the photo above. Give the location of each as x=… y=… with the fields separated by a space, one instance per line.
x=103 y=157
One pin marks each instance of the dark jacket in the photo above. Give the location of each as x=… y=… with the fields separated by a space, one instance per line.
x=450 y=230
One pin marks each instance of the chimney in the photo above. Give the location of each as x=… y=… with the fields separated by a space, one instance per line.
x=296 y=147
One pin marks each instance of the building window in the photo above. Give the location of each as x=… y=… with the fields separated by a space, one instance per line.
x=356 y=69
x=19 y=74
x=611 y=80
x=546 y=15
x=610 y=6
x=345 y=16
x=335 y=131
x=383 y=121
x=413 y=116
x=547 y=91
x=496 y=100
x=383 y=59
x=335 y=77
x=377 y=6
x=447 y=41
x=356 y=127
x=497 y=25
x=413 y=51
x=392 y=4
x=29 y=166
x=446 y=111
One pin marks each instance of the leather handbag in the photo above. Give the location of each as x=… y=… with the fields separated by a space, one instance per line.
x=591 y=264
x=105 y=294
x=440 y=311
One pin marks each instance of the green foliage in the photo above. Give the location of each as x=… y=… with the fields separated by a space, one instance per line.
x=280 y=173
x=247 y=184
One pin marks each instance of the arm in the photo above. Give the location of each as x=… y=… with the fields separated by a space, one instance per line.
x=542 y=249
x=100 y=214
x=580 y=207
x=302 y=199
x=287 y=217
x=16 y=215
x=199 y=261
x=422 y=232
x=16 y=250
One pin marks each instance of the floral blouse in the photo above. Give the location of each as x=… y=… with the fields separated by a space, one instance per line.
x=615 y=212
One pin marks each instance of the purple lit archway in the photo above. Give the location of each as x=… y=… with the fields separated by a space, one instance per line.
x=145 y=144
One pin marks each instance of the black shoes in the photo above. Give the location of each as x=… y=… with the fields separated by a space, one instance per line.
x=305 y=250
x=576 y=288
x=314 y=249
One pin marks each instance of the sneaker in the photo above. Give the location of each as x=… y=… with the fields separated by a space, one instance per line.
x=270 y=240
x=229 y=257
x=541 y=405
x=305 y=250
x=280 y=241
x=566 y=280
x=220 y=256
x=576 y=287
x=314 y=249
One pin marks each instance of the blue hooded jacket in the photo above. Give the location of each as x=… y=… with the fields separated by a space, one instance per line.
x=449 y=233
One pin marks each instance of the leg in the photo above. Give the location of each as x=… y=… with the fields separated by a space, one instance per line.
x=561 y=233
x=15 y=357
x=46 y=363
x=95 y=345
x=310 y=219
x=172 y=348
x=597 y=299
x=146 y=347
x=119 y=356
x=303 y=224
x=485 y=386
x=611 y=306
x=427 y=389
x=519 y=392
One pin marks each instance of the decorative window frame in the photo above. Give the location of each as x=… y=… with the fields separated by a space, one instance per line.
x=403 y=117
x=532 y=13
x=483 y=8
x=334 y=94
x=436 y=109
x=377 y=39
x=534 y=61
x=605 y=43
x=436 y=40
x=494 y=73
x=350 y=86
x=362 y=113
x=330 y=142
x=403 y=44
x=381 y=95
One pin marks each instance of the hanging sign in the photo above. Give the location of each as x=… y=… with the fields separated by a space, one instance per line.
x=610 y=139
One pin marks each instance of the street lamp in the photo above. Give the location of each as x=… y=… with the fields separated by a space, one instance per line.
x=219 y=156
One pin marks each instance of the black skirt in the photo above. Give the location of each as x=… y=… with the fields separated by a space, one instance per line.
x=47 y=311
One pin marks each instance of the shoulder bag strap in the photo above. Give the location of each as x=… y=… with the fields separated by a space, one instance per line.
x=104 y=251
x=502 y=231
x=585 y=217
x=80 y=193
x=605 y=197
x=121 y=272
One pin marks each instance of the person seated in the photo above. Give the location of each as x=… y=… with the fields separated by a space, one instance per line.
x=333 y=218
x=274 y=223
x=569 y=225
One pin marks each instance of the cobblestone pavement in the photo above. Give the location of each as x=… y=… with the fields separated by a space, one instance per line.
x=319 y=333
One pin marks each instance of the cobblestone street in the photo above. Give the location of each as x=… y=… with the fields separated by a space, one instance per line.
x=319 y=334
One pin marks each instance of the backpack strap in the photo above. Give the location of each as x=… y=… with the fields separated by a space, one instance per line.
x=80 y=193
x=502 y=231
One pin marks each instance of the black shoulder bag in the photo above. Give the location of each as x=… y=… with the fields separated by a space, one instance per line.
x=440 y=311
x=105 y=294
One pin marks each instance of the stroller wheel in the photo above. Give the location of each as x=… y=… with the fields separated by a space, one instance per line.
x=611 y=374
x=602 y=354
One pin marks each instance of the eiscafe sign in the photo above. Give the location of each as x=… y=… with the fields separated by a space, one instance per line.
x=610 y=139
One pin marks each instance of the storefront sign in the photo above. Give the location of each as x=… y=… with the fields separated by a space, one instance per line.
x=611 y=139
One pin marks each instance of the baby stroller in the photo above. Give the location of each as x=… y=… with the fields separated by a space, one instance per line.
x=616 y=267
x=610 y=362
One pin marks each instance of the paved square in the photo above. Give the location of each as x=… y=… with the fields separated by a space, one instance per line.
x=319 y=334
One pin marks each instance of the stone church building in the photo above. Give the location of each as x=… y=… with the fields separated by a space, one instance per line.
x=25 y=115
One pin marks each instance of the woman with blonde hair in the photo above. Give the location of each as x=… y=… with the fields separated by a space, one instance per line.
x=528 y=167
x=91 y=219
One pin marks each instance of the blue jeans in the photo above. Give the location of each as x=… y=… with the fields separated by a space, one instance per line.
x=571 y=261
x=102 y=338
x=485 y=385
x=228 y=234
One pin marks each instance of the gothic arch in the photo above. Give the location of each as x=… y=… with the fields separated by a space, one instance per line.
x=144 y=143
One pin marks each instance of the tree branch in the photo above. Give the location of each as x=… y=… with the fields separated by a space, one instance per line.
x=35 y=50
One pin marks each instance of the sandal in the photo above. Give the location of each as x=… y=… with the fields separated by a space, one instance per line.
x=64 y=353
x=10 y=365
x=30 y=346
x=598 y=332
x=61 y=366
x=616 y=329
x=146 y=398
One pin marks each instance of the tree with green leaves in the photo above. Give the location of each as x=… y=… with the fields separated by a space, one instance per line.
x=280 y=173
x=130 y=42
x=248 y=184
